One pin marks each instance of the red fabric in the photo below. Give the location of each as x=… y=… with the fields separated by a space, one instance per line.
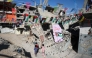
x=25 y=14
x=35 y=17
x=13 y=10
x=89 y=22
x=28 y=5
x=37 y=45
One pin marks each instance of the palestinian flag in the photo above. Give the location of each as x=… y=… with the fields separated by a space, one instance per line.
x=36 y=20
x=81 y=18
x=54 y=19
x=55 y=9
x=27 y=17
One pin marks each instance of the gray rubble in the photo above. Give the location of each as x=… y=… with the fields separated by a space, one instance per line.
x=7 y=30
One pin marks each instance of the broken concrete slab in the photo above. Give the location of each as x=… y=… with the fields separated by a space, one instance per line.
x=7 y=30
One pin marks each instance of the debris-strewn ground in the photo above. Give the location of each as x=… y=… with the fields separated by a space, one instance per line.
x=9 y=50
x=27 y=43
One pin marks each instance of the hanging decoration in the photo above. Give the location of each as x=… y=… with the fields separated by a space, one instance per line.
x=9 y=0
x=57 y=32
x=28 y=5
x=13 y=10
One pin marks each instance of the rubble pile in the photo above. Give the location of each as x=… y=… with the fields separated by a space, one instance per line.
x=52 y=27
x=7 y=30
x=7 y=49
x=60 y=49
x=53 y=49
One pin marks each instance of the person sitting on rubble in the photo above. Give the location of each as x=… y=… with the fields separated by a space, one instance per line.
x=90 y=31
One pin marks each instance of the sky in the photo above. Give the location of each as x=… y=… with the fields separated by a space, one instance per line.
x=78 y=4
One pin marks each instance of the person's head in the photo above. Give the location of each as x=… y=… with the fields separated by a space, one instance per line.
x=35 y=42
x=42 y=44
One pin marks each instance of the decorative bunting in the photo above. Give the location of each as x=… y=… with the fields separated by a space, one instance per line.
x=36 y=20
x=9 y=0
x=65 y=9
x=81 y=19
x=28 y=5
x=55 y=9
x=27 y=18
x=72 y=9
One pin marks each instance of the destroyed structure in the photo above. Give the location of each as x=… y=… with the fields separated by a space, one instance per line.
x=60 y=33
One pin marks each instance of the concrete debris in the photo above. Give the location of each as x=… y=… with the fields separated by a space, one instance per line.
x=50 y=26
x=2 y=41
x=0 y=27
x=7 y=30
x=6 y=48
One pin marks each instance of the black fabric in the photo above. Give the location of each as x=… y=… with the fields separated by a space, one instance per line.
x=21 y=10
x=2 y=46
x=45 y=26
x=27 y=28
x=74 y=36
x=89 y=2
x=27 y=53
x=74 y=25
x=51 y=18
x=60 y=24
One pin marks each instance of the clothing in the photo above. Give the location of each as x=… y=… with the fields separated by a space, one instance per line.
x=36 y=50
x=43 y=49
x=37 y=45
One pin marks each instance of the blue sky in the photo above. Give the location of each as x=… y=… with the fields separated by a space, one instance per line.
x=78 y=4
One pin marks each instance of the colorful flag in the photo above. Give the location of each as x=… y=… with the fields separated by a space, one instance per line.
x=54 y=19
x=28 y=5
x=55 y=9
x=81 y=18
x=65 y=9
x=36 y=20
x=13 y=10
x=57 y=32
x=9 y=0
x=72 y=9
x=32 y=18
x=27 y=19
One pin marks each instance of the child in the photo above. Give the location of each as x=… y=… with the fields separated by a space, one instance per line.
x=36 y=49
x=43 y=50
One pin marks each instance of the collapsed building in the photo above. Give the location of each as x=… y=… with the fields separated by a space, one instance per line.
x=50 y=26
x=7 y=14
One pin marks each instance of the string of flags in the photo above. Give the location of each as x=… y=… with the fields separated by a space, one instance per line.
x=9 y=0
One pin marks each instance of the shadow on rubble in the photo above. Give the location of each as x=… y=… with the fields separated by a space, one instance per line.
x=74 y=36
x=46 y=26
x=27 y=54
x=6 y=56
x=3 y=47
